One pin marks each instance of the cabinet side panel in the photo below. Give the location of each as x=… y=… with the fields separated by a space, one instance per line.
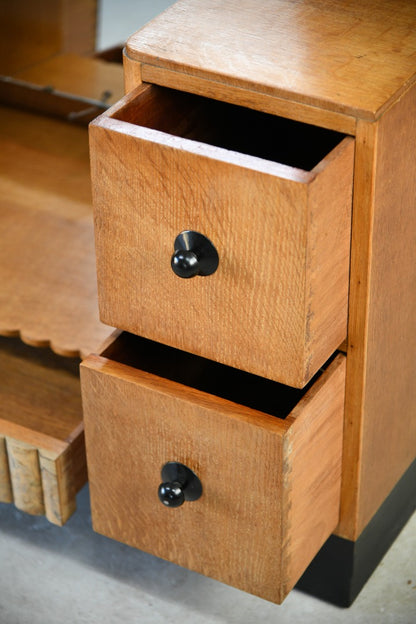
x=381 y=420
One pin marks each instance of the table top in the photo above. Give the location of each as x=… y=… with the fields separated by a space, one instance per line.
x=343 y=56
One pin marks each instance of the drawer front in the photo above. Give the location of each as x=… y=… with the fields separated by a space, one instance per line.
x=270 y=486
x=276 y=306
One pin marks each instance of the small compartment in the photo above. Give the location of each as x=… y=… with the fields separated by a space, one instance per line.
x=231 y=127
x=272 y=196
x=270 y=485
x=205 y=375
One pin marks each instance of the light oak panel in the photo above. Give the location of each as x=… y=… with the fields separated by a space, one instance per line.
x=315 y=436
x=25 y=477
x=277 y=305
x=31 y=32
x=42 y=452
x=380 y=426
x=47 y=256
x=90 y=78
x=135 y=73
x=66 y=86
x=132 y=73
x=6 y=494
x=270 y=486
x=343 y=56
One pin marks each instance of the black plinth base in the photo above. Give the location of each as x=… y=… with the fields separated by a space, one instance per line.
x=341 y=568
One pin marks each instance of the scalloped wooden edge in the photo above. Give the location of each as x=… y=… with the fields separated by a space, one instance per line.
x=56 y=348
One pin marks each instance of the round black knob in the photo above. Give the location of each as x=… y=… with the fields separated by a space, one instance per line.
x=180 y=484
x=194 y=255
x=171 y=494
x=185 y=263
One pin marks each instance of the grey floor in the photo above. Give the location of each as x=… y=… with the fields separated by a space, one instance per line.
x=71 y=575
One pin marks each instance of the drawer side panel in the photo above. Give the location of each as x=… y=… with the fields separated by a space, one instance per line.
x=314 y=446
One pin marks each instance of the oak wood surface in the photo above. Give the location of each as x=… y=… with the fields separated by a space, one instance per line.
x=90 y=78
x=277 y=305
x=315 y=437
x=132 y=73
x=135 y=73
x=16 y=93
x=31 y=32
x=343 y=56
x=67 y=86
x=344 y=66
x=380 y=424
x=47 y=266
x=42 y=453
x=6 y=494
x=270 y=486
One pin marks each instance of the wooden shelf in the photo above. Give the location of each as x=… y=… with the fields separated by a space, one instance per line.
x=48 y=294
x=42 y=452
x=47 y=259
x=90 y=78
x=66 y=86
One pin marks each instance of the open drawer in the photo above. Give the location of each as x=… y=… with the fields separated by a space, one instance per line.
x=272 y=196
x=268 y=459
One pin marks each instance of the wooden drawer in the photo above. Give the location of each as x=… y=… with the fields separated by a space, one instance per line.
x=274 y=198
x=270 y=465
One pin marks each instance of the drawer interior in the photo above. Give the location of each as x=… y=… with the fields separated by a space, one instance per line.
x=230 y=127
x=206 y=375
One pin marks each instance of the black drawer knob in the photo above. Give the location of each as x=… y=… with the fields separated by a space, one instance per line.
x=180 y=484
x=194 y=255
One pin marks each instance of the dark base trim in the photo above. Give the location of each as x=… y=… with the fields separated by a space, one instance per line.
x=342 y=567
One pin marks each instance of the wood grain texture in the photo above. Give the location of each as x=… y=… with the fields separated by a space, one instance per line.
x=16 y=93
x=342 y=56
x=380 y=433
x=277 y=305
x=135 y=73
x=90 y=78
x=63 y=476
x=31 y=32
x=132 y=73
x=264 y=493
x=25 y=477
x=79 y=26
x=314 y=446
x=6 y=494
x=42 y=453
x=68 y=87
x=47 y=266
